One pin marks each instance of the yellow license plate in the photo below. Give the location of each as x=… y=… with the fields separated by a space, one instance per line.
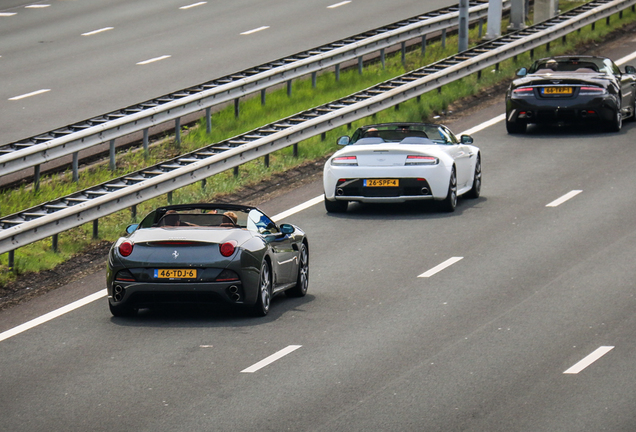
x=381 y=183
x=175 y=273
x=557 y=90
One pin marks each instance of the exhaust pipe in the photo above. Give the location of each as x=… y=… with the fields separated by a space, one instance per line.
x=234 y=293
x=118 y=293
x=425 y=191
x=339 y=192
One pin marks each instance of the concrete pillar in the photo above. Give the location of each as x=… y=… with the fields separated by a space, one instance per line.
x=517 y=15
x=545 y=9
x=494 y=19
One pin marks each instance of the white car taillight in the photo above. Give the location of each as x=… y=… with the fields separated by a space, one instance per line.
x=345 y=160
x=591 y=90
x=421 y=160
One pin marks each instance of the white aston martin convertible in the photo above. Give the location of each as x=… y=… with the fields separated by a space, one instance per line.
x=397 y=162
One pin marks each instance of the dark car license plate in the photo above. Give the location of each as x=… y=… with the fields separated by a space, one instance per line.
x=175 y=273
x=557 y=90
x=381 y=183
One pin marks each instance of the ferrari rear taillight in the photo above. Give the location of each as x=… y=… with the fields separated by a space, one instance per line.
x=227 y=276
x=345 y=160
x=421 y=160
x=227 y=248
x=126 y=248
x=124 y=276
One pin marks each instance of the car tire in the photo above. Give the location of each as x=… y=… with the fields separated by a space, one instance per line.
x=616 y=123
x=264 y=295
x=122 y=310
x=475 y=191
x=336 y=206
x=516 y=127
x=450 y=202
x=302 y=282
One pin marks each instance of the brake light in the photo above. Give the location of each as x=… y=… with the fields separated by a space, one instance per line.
x=523 y=90
x=345 y=160
x=227 y=248
x=421 y=160
x=593 y=90
x=126 y=248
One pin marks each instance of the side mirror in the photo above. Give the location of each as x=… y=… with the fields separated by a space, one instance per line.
x=131 y=228
x=522 y=72
x=630 y=69
x=466 y=139
x=287 y=228
x=344 y=140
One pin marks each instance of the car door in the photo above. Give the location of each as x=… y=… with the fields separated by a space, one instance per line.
x=284 y=254
x=462 y=154
x=627 y=82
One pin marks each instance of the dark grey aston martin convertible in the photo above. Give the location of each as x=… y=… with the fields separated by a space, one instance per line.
x=201 y=253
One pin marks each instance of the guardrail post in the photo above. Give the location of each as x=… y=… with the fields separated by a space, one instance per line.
x=481 y=27
x=383 y=58
x=296 y=150
x=593 y=25
x=236 y=171
x=360 y=65
x=547 y=47
x=75 y=167
x=236 y=107
x=607 y=20
x=323 y=136
x=620 y=15
x=403 y=51
x=263 y=97
x=133 y=211
x=54 y=245
x=204 y=182
x=208 y=119
x=95 y=229
x=267 y=161
x=443 y=38
x=177 y=131
x=564 y=39
x=112 y=164
x=338 y=72
x=36 y=177
x=11 y=259
x=313 y=79
x=423 y=45
x=145 y=143
x=170 y=197
x=289 y=88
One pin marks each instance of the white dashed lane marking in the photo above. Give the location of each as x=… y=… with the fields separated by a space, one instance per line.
x=271 y=359
x=597 y=354
x=449 y=262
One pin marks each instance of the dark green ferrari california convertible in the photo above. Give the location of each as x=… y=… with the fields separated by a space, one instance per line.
x=203 y=253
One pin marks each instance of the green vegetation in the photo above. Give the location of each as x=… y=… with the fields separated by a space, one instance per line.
x=40 y=255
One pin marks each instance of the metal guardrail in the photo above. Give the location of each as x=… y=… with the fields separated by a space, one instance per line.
x=65 y=213
x=71 y=139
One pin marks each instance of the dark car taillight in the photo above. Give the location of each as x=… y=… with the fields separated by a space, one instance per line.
x=126 y=248
x=124 y=276
x=227 y=276
x=227 y=248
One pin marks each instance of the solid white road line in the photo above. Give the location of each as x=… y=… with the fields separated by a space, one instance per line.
x=484 y=125
x=152 y=60
x=333 y=6
x=29 y=94
x=37 y=6
x=564 y=198
x=271 y=359
x=449 y=262
x=91 y=33
x=193 y=5
x=597 y=354
x=298 y=208
x=249 y=32
x=7 y=14
x=51 y=315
